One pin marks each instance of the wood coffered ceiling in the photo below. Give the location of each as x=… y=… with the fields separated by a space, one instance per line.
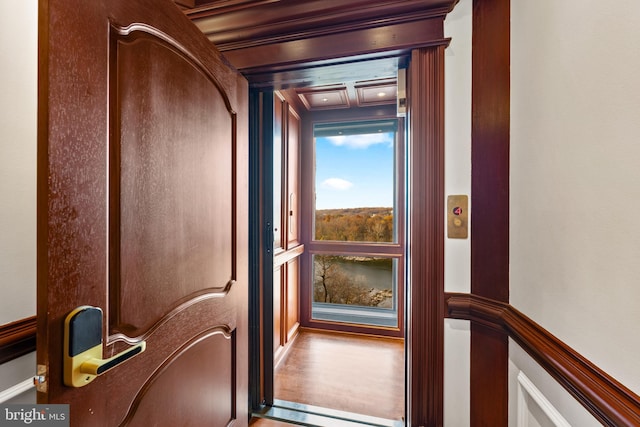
x=324 y=97
x=359 y=93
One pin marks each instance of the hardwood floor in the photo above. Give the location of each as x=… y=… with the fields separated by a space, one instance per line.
x=363 y=375
x=263 y=422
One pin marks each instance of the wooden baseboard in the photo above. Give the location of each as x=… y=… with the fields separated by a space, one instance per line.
x=609 y=401
x=17 y=339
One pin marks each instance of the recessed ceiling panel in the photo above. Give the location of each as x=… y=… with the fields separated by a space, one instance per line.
x=324 y=98
x=376 y=92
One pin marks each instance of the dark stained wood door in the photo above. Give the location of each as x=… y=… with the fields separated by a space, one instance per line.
x=142 y=212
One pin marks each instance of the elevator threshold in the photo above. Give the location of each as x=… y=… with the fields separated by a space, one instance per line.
x=314 y=416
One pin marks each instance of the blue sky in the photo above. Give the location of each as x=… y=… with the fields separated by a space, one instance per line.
x=354 y=171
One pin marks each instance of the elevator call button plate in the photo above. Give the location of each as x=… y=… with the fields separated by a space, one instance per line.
x=458 y=217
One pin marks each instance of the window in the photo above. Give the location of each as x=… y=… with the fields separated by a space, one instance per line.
x=355 y=181
x=356 y=252
x=355 y=289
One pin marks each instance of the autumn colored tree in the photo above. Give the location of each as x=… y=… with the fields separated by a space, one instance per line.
x=355 y=225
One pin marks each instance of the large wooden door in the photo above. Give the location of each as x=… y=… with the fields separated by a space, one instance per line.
x=142 y=212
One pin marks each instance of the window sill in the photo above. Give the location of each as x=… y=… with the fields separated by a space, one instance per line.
x=358 y=315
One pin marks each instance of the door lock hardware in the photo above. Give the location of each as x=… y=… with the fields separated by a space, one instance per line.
x=83 y=360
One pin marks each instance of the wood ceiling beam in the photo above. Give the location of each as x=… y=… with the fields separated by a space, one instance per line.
x=185 y=4
x=256 y=22
x=203 y=8
x=394 y=40
x=272 y=36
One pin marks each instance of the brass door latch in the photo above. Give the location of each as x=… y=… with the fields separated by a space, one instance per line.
x=83 y=360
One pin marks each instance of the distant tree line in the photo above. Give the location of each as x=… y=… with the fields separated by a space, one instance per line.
x=355 y=225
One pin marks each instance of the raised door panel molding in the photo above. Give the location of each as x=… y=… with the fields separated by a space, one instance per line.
x=186 y=376
x=293 y=291
x=155 y=225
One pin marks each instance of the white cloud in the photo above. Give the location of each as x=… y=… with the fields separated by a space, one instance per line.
x=337 y=184
x=361 y=141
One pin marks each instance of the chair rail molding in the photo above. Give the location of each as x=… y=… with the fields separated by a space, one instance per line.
x=605 y=398
x=17 y=339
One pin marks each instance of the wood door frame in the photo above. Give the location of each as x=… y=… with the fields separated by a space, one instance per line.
x=261 y=367
x=425 y=259
x=425 y=220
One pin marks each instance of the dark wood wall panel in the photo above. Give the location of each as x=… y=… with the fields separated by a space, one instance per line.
x=489 y=377
x=293 y=178
x=490 y=190
x=286 y=192
x=425 y=334
x=490 y=150
x=293 y=302
x=608 y=400
x=278 y=284
x=279 y=172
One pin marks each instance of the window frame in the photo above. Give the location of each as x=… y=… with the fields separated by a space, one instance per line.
x=394 y=250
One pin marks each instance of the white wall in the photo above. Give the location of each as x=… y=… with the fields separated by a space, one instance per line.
x=457 y=272
x=12 y=375
x=18 y=85
x=18 y=106
x=575 y=177
x=572 y=411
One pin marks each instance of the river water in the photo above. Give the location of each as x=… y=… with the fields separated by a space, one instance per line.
x=377 y=275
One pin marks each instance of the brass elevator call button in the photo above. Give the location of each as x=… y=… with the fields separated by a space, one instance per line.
x=457 y=217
